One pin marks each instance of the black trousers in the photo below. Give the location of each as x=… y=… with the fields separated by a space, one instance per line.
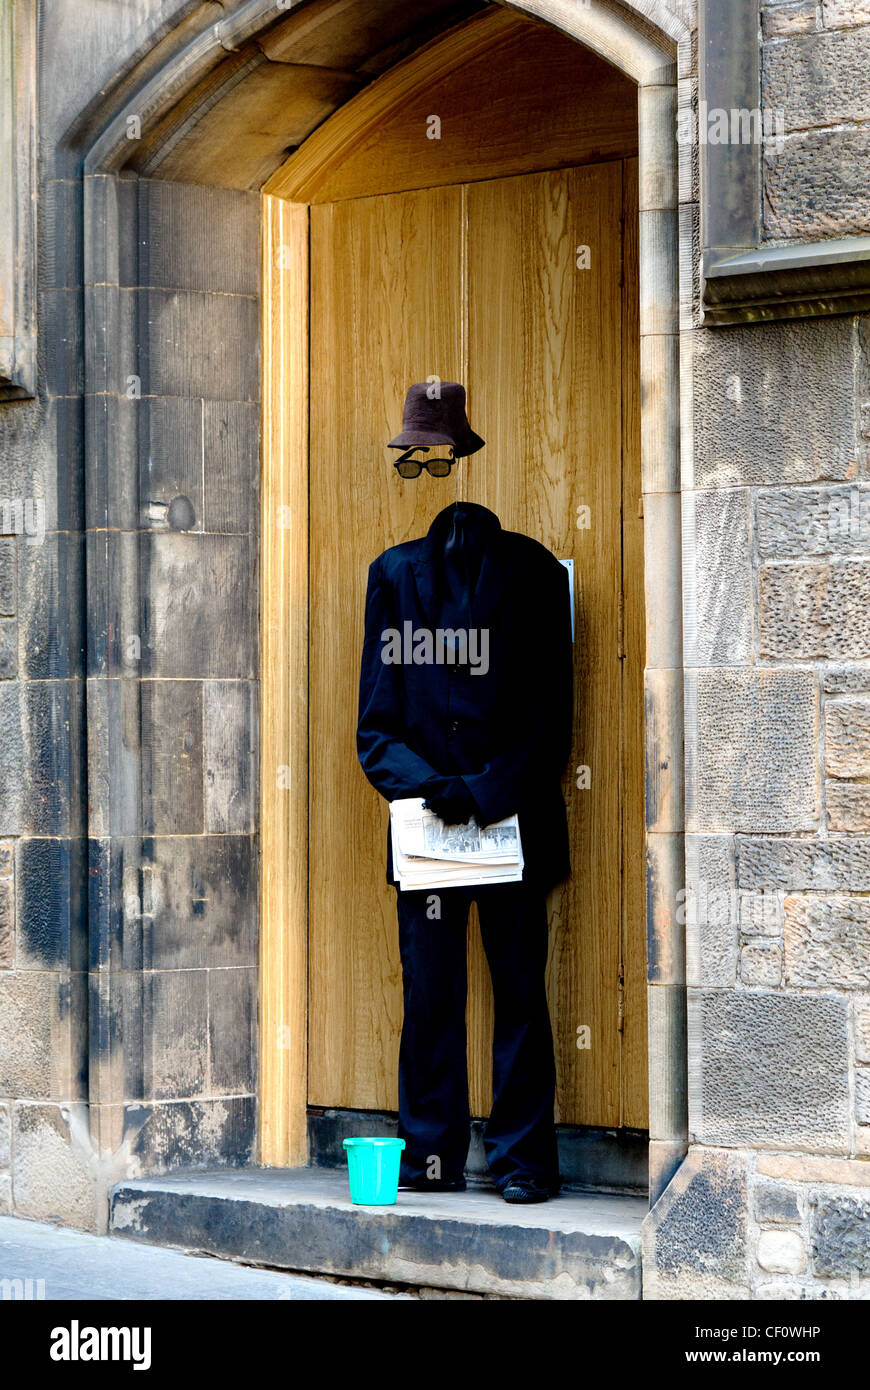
x=434 y=1116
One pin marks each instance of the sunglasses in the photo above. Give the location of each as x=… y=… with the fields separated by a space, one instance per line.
x=412 y=468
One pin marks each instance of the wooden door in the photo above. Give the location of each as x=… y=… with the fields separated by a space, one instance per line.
x=525 y=289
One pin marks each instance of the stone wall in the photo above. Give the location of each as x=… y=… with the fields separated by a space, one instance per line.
x=816 y=71
x=128 y=703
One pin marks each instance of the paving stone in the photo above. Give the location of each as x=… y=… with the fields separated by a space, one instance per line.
x=827 y=941
x=577 y=1246
x=79 y=1267
x=768 y=1068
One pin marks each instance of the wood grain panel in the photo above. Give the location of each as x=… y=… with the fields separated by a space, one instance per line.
x=483 y=80
x=635 y=1080
x=284 y=686
x=386 y=310
x=545 y=392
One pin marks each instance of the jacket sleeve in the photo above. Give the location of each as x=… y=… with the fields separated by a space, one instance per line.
x=542 y=720
x=392 y=767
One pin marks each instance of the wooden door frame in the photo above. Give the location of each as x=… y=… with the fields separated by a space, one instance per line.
x=649 y=59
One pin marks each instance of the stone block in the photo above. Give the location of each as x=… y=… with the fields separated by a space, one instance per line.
x=840 y=1235
x=8 y=648
x=41 y=452
x=845 y=680
x=172 y=757
x=200 y=902
x=7 y=924
x=862 y=1095
x=821 y=865
x=711 y=916
x=784 y=21
x=39 y=728
x=171 y=463
x=774 y=403
x=815 y=187
x=827 y=941
x=201 y=617
x=53 y=1173
x=175 y=1029
x=192 y=237
x=717 y=578
x=51 y=925
x=42 y=1029
x=768 y=1068
x=819 y=80
x=231 y=465
x=847 y=807
x=232 y=1031
x=189 y=1133
x=51 y=641
x=815 y=610
x=776 y=1205
x=760 y=914
x=5 y=1134
x=199 y=344
x=801 y=522
x=230 y=756
x=751 y=740
x=781 y=1252
x=861 y=1006
x=694 y=1239
x=7 y=577
x=842 y=14
x=761 y=964
x=808 y=1168
x=847 y=737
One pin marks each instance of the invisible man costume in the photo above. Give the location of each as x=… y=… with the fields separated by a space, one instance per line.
x=489 y=741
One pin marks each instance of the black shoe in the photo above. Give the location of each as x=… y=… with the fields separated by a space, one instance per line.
x=525 y=1190
x=432 y=1185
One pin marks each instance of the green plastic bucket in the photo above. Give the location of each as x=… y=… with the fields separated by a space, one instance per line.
x=373 y=1170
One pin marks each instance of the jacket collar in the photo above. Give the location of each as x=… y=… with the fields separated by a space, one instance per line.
x=491 y=580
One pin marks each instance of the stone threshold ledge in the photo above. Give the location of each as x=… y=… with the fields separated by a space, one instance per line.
x=578 y=1246
x=805 y=280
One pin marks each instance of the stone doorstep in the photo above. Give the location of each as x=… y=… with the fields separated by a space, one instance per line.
x=576 y=1246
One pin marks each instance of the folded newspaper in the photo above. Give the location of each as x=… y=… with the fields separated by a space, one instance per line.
x=429 y=854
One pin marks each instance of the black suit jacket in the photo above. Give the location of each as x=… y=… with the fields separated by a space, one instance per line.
x=507 y=732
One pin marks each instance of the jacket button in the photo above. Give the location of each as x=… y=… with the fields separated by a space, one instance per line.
x=454 y=725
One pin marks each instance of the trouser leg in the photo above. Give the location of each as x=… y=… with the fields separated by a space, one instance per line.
x=520 y=1134
x=433 y=1074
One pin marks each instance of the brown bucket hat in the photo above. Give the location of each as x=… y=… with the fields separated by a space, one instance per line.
x=440 y=419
